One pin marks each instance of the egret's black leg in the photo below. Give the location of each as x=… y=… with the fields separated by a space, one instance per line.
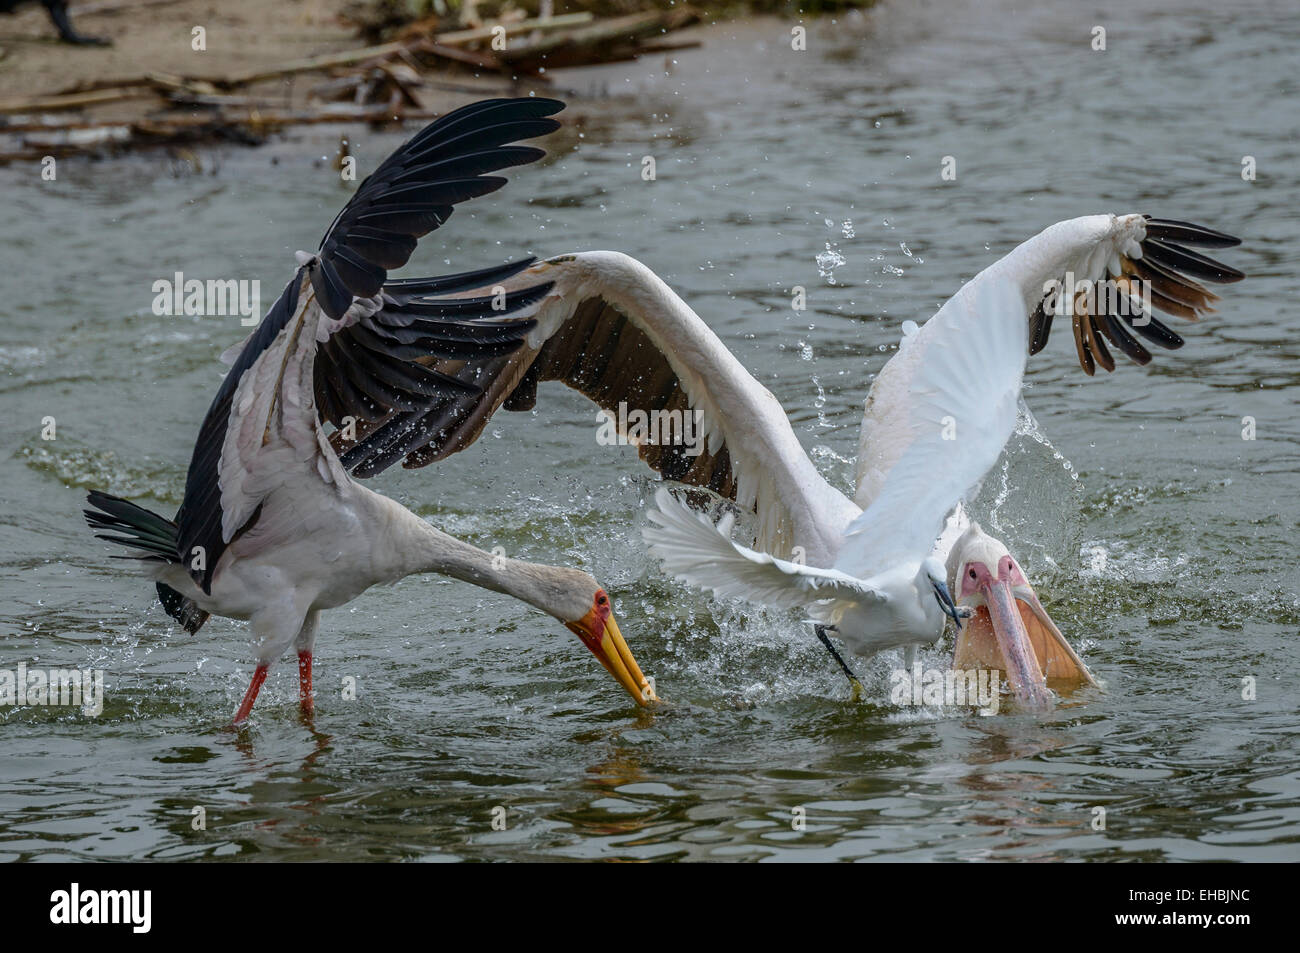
x=848 y=672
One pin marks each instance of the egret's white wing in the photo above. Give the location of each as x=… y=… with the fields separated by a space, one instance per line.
x=696 y=551
x=960 y=412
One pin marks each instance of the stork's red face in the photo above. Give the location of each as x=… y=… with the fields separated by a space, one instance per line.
x=992 y=592
x=599 y=632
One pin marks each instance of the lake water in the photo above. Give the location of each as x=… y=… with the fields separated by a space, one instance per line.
x=1162 y=542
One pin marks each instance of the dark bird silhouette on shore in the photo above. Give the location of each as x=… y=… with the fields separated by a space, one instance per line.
x=58 y=11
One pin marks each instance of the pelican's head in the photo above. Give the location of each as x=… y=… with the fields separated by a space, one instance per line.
x=1008 y=628
x=584 y=607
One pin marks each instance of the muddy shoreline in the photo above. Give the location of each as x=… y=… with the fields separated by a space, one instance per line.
x=189 y=73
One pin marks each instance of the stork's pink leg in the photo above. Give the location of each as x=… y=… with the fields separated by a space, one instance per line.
x=250 y=696
x=305 y=697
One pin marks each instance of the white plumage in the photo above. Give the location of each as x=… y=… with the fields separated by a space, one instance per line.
x=611 y=329
x=273 y=528
x=813 y=546
x=960 y=412
x=703 y=554
x=882 y=589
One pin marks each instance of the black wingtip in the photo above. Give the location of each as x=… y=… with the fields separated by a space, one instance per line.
x=413 y=191
x=1155 y=332
x=402 y=290
x=546 y=106
x=1189 y=233
x=1040 y=328
x=1174 y=256
x=183 y=610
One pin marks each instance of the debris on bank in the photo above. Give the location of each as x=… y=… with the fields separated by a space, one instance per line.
x=380 y=83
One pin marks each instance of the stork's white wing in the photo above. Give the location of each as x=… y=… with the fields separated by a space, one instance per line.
x=960 y=411
x=696 y=551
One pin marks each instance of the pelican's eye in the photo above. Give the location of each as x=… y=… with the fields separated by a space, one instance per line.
x=972 y=572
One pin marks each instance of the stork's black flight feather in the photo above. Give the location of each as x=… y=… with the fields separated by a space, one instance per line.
x=154 y=539
x=364 y=370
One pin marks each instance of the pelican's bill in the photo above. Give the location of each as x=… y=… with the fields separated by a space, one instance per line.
x=1057 y=665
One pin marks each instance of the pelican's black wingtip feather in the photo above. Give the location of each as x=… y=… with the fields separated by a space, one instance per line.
x=1172 y=270
x=1173 y=256
x=1114 y=329
x=1188 y=233
x=1040 y=328
x=1154 y=331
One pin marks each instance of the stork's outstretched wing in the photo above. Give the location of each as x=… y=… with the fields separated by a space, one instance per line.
x=340 y=338
x=958 y=414
x=611 y=329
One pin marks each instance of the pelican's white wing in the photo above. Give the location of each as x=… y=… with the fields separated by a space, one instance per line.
x=701 y=554
x=613 y=330
x=957 y=416
x=1140 y=254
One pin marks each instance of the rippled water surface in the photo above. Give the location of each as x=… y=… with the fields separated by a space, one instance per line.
x=1163 y=543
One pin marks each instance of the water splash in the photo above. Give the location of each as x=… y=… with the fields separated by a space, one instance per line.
x=828 y=261
x=1024 y=501
x=102 y=470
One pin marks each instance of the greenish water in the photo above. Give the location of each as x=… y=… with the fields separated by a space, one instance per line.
x=1170 y=560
